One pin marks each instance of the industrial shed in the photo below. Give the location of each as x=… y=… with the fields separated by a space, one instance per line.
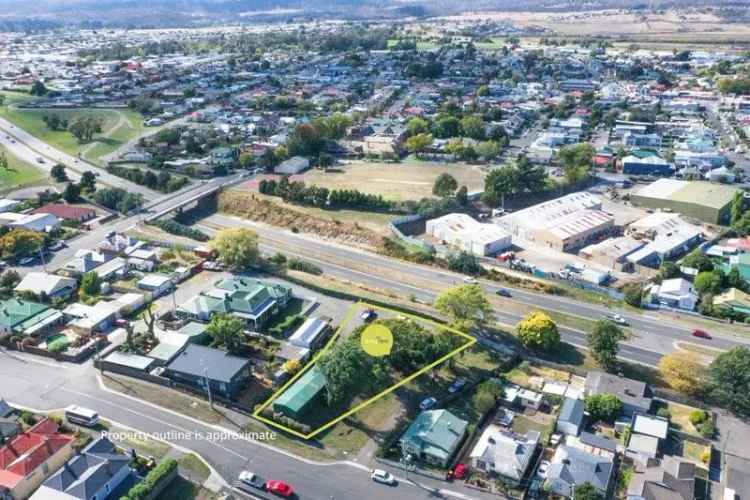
x=296 y=400
x=462 y=231
x=704 y=201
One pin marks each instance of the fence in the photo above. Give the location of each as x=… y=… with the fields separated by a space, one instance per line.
x=415 y=224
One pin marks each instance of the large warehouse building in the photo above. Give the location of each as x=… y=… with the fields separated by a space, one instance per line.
x=704 y=201
x=565 y=224
x=462 y=231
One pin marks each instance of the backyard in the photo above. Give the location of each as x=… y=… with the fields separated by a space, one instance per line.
x=19 y=173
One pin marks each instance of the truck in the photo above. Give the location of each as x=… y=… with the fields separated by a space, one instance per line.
x=594 y=277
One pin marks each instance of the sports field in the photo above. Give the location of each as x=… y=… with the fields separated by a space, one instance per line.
x=18 y=173
x=409 y=180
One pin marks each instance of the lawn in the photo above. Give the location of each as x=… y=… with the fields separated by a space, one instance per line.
x=182 y=489
x=118 y=127
x=410 y=180
x=523 y=424
x=194 y=468
x=18 y=174
x=679 y=416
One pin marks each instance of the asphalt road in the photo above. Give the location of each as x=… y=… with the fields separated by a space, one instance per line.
x=57 y=385
x=652 y=337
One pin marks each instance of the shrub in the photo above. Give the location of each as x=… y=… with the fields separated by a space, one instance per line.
x=176 y=228
x=706 y=456
x=707 y=429
x=305 y=267
x=664 y=412
x=152 y=480
x=697 y=417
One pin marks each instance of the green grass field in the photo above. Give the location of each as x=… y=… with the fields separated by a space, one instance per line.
x=18 y=174
x=118 y=127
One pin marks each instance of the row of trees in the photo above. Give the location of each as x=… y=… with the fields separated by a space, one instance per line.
x=163 y=181
x=117 y=199
x=322 y=197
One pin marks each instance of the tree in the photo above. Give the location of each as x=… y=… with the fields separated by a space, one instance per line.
x=417 y=125
x=83 y=127
x=587 y=491
x=462 y=196
x=237 y=247
x=445 y=185
x=19 y=242
x=576 y=161
x=91 y=285
x=709 y=282
x=531 y=178
x=487 y=395
x=466 y=306
x=72 y=192
x=537 y=331
x=473 y=126
x=446 y=126
x=603 y=407
x=603 y=340
x=499 y=183
x=683 y=372
x=668 y=270
x=418 y=143
x=464 y=262
x=38 y=89
x=88 y=181
x=633 y=293
x=488 y=150
x=226 y=330
x=9 y=279
x=349 y=370
x=729 y=380
x=698 y=260
x=3 y=161
x=304 y=140
x=58 y=173
x=738 y=208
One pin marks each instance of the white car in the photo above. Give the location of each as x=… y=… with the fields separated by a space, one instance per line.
x=616 y=318
x=381 y=476
x=252 y=479
x=428 y=403
x=541 y=471
x=470 y=280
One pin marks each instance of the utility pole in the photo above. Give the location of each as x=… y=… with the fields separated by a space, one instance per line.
x=208 y=387
x=41 y=256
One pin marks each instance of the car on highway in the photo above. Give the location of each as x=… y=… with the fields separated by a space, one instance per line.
x=383 y=477
x=457 y=385
x=26 y=261
x=470 y=280
x=39 y=159
x=252 y=479
x=541 y=471
x=279 y=488
x=503 y=292
x=701 y=334
x=427 y=403
x=616 y=318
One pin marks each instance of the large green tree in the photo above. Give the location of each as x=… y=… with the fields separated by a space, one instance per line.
x=500 y=183
x=603 y=407
x=445 y=185
x=729 y=380
x=576 y=161
x=603 y=341
x=226 y=330
x=237 y=247
x=466 y=306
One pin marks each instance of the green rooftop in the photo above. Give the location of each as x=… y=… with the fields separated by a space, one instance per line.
x=15 y=312
x=707 y=194
x=297 y=398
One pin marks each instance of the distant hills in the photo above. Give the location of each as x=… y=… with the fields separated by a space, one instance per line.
x=39 y=14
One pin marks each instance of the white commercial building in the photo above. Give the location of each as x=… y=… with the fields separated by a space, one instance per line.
x=564 y=224
x=463 y=232
x=34 y=222
x=292 y=166
x=677 y=293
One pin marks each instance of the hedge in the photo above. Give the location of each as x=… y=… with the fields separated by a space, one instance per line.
x=176 y=228
x=152 y=480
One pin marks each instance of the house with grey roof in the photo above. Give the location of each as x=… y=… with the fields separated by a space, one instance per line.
x=636 y=396
x=571 y=416
x=202 y=367
x=93 y=474
x=434 y=436
x=571 y=466
x=505 y=454
x=669 y=479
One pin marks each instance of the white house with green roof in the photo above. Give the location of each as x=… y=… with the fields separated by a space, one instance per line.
x=434 y=436
x=252 y=300
x=23 y=316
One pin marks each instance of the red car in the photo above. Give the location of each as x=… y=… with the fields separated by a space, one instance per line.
x=279 y=488
x=701 y=334
x=460 y=471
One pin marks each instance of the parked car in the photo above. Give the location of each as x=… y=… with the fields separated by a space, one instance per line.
x=58 y=245
x=503 y=292
x=368 y=315
x=457 y=385
x=252 y=479
x=39 y=159
x=427 y=403
x=470 y=280
x=541 y=471
x=279 y=488
x=701 y=334
x=26 y=261
x=460 y=471
x=381 y=476
x=616 y=318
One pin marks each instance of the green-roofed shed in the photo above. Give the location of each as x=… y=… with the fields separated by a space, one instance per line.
x=299 y=396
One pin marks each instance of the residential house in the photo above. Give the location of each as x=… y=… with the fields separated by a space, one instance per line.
x=86 y=320
x=636 y=396
x=204 y=367
x=94 y=474
x=734 y=299
x=157 y=284
x=74 y=213
x=571 y=466
x=253 y=301
x=434 y=436
x=668 y=479
x=51 y=285
x=647 y=432
x=26 y=317
x=677 y=293
x=649 y=165
x=503 y=453
x=33 y=222
x=571 y=417
x=31 y=457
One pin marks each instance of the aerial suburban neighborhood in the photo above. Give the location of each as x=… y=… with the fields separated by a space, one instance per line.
x=360 y=250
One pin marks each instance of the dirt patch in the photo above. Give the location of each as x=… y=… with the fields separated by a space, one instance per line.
x=252 y=207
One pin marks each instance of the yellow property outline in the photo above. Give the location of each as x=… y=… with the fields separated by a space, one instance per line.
x=257 y=414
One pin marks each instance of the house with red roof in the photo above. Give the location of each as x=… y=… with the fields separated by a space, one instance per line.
x=31 y=457
x=67 y=212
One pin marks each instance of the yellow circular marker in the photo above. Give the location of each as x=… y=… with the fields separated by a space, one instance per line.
x=377 y=340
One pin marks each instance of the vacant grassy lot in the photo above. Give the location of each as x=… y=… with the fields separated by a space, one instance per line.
x=18 y=174
x=410 y=180
x=118 y=127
